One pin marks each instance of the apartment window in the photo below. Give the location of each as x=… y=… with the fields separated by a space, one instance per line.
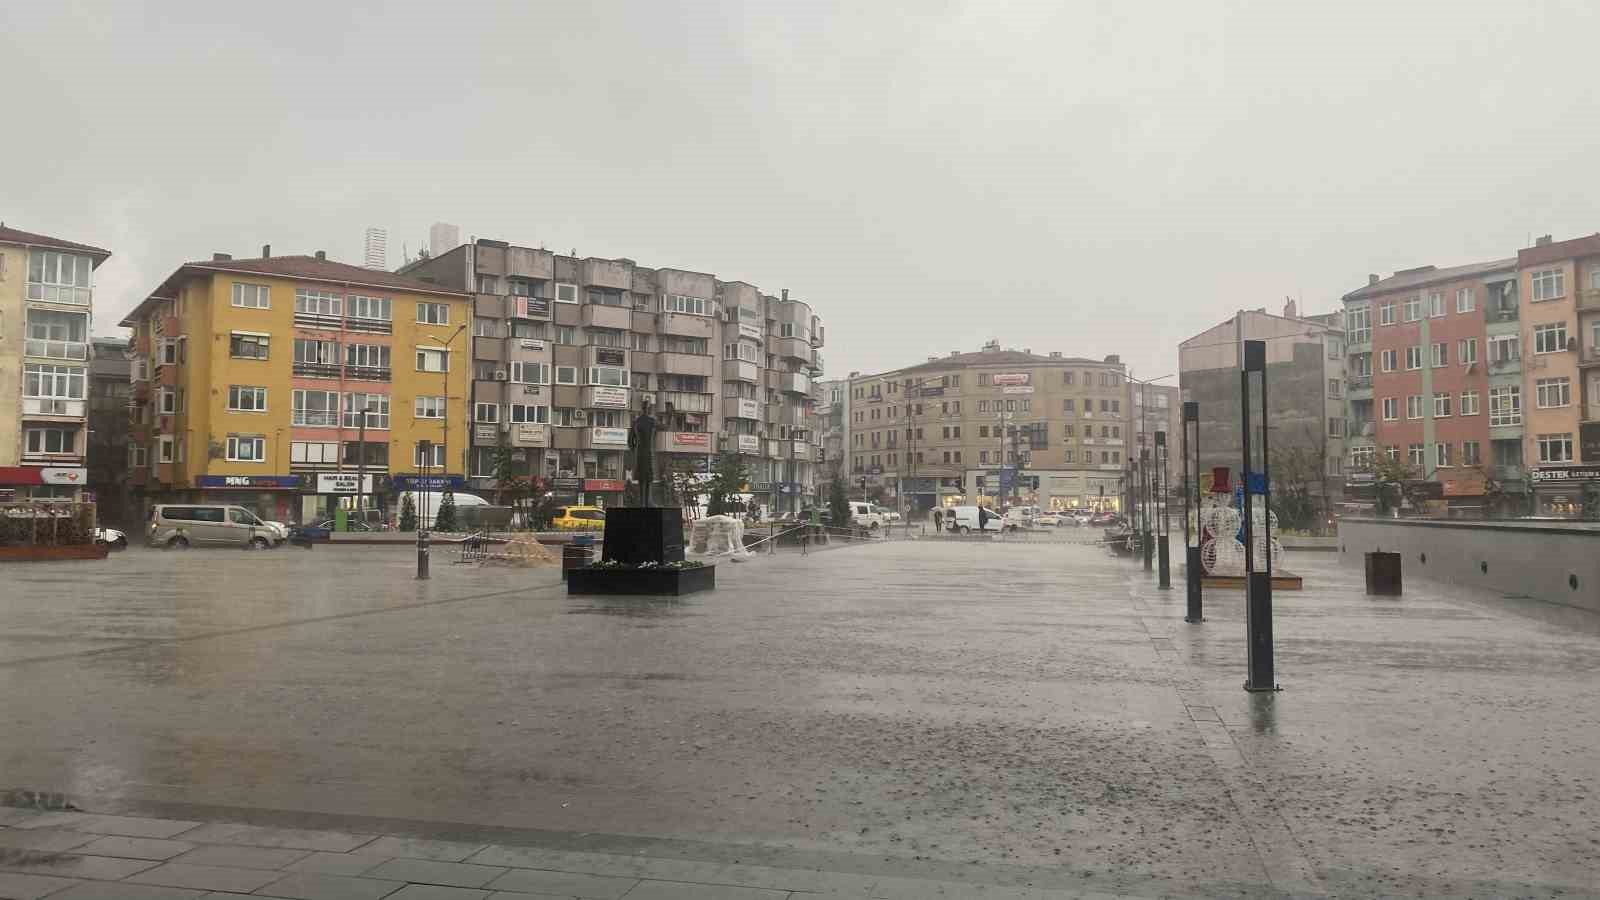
x=1067 y=377
x=1435 y=304
x=1471 y=453
x=528 y=330
x=138 y=455
x=983 y=379
x=1027 y=404
x=697 y=346
x=324 y=353
x=958 y=456
x=48 y=381
x=566 y=334
x=694 y=306
x=1414 y=406
x=1552 y=392
x=610 y=376
x=1335 y=388
x=1386 y=313
x=1550 y=338
x=955 y=409
x=433 y=313
x=1336 y=427
x=376 y=404
x=1388 y=358
x=428 y=455
x=1413 y=309
x=1066 y=456
x=1441 y=406
x=566 y=293
x=1469 y=403
x=247 y=399
x=521 y=413
x=244 y=345
x=983 y=431
x=1505 y=348
x=1441 y=354
x=374 y=308
x=1391 y=409
x=317 y=303
x=1505 y=405
x=638 y=341
x=1358 y=324
x=1070 y=430
x=983 y=406
x=315 y=408
x=1361 y=458
x=429 y=408
x=947 y=456
x=605 y=298
x=169 y=351
x=1413 y=357
x=1549 y=284
x=1465 y=302
x=1555 y=448
x=486 y=412
x=1105 y=456
x=251 y=296
x=530 y=373
x=433 y=360
x=947 y=432
x=1415 y=455
x=59 y=277
x=485 y=327
x=247 y=448
x=167 y=401
x=367 y=356
x=166 y=445
x=50 y=440
x=1467 y=351
x=1441 y=454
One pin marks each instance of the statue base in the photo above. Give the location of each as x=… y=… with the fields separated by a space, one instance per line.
x=637 y=535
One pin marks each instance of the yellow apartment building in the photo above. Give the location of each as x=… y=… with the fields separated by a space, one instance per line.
x=252 y=377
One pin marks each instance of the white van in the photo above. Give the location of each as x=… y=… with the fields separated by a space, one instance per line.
x=1021 y=517
x=432 y=499
x=967 y=519
x=865 y=515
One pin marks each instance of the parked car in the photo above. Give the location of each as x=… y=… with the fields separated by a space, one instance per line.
x=1105 y=518
x=111 y=537
x=864 y=515
x=179 y=526
x=1081 y=517
x=1051 y=520
x=350 y=525
x=967 y=519
x=1020 y=517
x=578 y=518
x=890 y=517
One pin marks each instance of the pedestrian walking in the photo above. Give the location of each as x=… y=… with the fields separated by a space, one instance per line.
x=938 y=521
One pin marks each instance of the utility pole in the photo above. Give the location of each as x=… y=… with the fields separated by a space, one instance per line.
x=361 y=458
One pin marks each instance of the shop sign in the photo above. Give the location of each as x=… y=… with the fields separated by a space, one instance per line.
x=608 y=356
x=1026 y=389
x=748 y=409
x=530 y=435
x=343 y=483
x=1565 y=474
x=753 y=332
x=533 y=307
x=611 y=437
x=696 y=439
x=429 y=482
x=259 y=482
x=42 y=475
x=788 y=487
x=612 y=485
x=1015 y=378
x=566 y=484
x=929 y=392
x=486 y=434
x=749 y=443
x=609 y=397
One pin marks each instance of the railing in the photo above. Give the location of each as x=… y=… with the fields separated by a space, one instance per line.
x=368 y=373
x=316 y=370
x=1508 y=314
x=315 y=418
x=55 y=349
x=51 y=406
x=375 y=326
x=316 y=320
x=686 y=402
x=1359 y=382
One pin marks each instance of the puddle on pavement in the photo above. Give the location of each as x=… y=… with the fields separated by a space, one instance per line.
x=630 y=607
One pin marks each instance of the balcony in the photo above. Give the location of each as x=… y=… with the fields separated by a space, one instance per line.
x=739 y=370
x=740 y=408
x=1360 y=382
x=597 y=316
x=1505 y=366
x=687 y=364
x=791 y=348
x=313 y=320
x=371 y=326
x=606 y=273
x=599 y=396
x=52 y=406
x=816 y=335
x=794 y=383
x=1589 y=300
x=1506 y=314
x=55 y=349
x=816 y=365
x=687 y=325
x=685 y=402
x=316 y=370
x=368 y=373
x=489 y=349
x=791 y=416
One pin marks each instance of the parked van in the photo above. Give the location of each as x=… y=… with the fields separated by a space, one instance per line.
x=967 y=519
x=179 y=525
x=1021 y=517
x=864 y=515
x=428 y=502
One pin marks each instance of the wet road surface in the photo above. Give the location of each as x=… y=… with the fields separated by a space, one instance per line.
x=1030 y=704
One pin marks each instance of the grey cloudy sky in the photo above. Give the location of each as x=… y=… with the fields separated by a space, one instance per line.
x=1086 y=177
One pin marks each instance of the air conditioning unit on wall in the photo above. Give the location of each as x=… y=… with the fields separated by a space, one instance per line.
x=499 y=374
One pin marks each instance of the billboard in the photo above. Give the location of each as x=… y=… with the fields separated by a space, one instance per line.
x=693 y=439
x=1014 y=378
x=605 y=356
x=609 y=397
x=609 y=437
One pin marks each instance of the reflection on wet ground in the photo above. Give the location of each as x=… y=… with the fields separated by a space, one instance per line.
x=631 y=607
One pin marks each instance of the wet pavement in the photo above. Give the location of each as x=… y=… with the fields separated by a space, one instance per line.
x=1032 y=712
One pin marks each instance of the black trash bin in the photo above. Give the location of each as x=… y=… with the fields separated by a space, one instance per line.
x=1383 y=574
x=576 y=554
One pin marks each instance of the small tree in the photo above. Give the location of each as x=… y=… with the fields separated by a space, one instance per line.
x=1591 y=502
x=1391 y=475
x=838 y=499
x=408 y=513
x=727 y=477
x=445 y=519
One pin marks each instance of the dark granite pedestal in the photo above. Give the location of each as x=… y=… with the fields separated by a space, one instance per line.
x=638 y=535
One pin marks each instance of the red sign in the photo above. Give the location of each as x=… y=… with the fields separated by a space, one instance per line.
x=603 y=484
x=43 y=475
x=1012 y=379
x=691 y=439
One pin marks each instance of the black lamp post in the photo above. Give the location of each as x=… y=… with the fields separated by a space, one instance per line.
x=1256 y=475
x=1191 y=492
x=425 y=452
x=1145 y=541
x=1164 y=561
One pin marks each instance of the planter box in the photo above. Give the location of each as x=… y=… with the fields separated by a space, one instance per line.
x=669 y=582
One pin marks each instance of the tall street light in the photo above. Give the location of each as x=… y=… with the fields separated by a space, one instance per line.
x=1144 y=481
x=423 y=544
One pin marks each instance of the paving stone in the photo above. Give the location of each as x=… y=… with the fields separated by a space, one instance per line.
x=311 y=886
x=103 y=890
x=417 y=848
x=828 y=884
x=338 y=863
x=125 y=826
x=436 y=892
x=241 y=857
x=291 y=838
x=42 y=839
x=205 y=878
x=430 y=872
x=680 y=890
x=72 y=865
x=136 y=848
x=542 y=881
x=16 y=886
x=916 y=888
x=514 y=895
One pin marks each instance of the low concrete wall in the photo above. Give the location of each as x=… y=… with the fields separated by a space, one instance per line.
x=1557 y=564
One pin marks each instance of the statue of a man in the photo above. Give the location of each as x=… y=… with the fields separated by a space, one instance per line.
x=642 y=449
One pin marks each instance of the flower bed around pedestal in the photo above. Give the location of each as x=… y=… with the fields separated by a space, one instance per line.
x=609 y=577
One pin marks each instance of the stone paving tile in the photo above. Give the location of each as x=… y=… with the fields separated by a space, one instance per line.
x=678 y=890
x=136 y=848
x=514 y=895
x=101 y=890
x=15 y=886
x=417 y=848
x=829 y=884
x=338 y=863
x=436 y=892
x=290 y=838
x=431 y=872
x=543 y=881
x=205 y=878
x=311 y=886
x=916 y=888
x=72 y=865
x=241 y=857
x=43 y=839
x=125 y=826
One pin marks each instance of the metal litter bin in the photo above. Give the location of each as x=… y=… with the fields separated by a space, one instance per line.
x=1383 y=574
x=576 y=553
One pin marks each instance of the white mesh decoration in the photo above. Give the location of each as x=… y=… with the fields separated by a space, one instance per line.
x=1208 y=556
x=1222 y=521
x=1222 y=556
x=719 y=536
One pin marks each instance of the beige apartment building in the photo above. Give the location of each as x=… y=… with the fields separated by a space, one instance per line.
x=939 y=433
x=566 y=351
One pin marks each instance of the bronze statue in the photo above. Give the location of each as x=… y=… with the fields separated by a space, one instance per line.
x=642 y=447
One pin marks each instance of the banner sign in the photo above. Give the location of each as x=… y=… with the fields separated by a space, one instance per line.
x=530 y=435
x=606 y=356
x=429 y=482
x=1015 y=378
x=752 y=332
x=260 y=482
x=696 y=439
x=343 y=483
x=609 y=397
x=1565 y=474
x=485 y=433
x=43 y=475
x=613 y=485
x=533 y=307
x=749 y=443
x=566 y=484
x=1017 y=390
x=612 y=437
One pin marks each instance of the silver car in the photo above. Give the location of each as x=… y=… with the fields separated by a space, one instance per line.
x=180 y=525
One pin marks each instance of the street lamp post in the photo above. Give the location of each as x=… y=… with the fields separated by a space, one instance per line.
x=361 y=458
x=1145 y=542
x=427 y=459
x=424 y=457
x=1164 y=561
x=1191 y=544
x=1257 y=472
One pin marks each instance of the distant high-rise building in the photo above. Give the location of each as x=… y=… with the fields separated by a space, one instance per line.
x=442 y=238
x=377 y=255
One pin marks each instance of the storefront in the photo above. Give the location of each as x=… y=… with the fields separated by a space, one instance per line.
x=42 y=482
x=1558 y=491
x=606 y=492
x=271 y=497
x=328 y=491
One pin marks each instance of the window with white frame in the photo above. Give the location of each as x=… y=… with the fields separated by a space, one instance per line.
x=1505 y=405
x=1391 y=409
x=1471 y=453
x=315 y=452
x=1555 y=448
x=1441 y=454
x=741 y=350
x=429 y=455
x=638 y=341
x=1358 y=324
x=1414 y=454
x=528 y=413
x=56 y=325
x=1550 y=338
x=1414 y=406
x=167 y=401
x=316 y=352
x=1361 y=458
x=678 y=303
x=43 y=380
x=168 y=448
x=1335 y=387
x=432 y=360
x=1441 y=354
x=1469 y=403
x=1386 y=312
x=251 y=296
x=1336 y=427
x=310 y=302
x=611 y=376
x=1504 y=348
x=1413 y=309
x=377 y=406
x=488 y=413
x=1413 y=357
x=138 y=455
x=529 y=372
x=566 y=334
x=377 y=309
x=247 y=448
x=1467 y=351
x=433 y=313
x=315 y=408
x=141 y=370
x=169 y=351
x=429 y=407
x=59 y=277
x=1552 y=392
x=566 y=374
x=1435 y=304
x=37 y=441
x=245 y=398
x=1465 y=300
x=566 y=293
x=1441 y=405
x=1388 y=358
x=245 y=345
x=608 y=337
x=367 y=356
x=483 y=326
x=1549 y=284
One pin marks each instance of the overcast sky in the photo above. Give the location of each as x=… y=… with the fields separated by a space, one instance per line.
x=1086 y=177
